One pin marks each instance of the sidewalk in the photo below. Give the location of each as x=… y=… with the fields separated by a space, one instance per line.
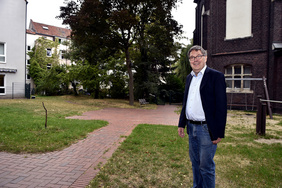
x=75 y=166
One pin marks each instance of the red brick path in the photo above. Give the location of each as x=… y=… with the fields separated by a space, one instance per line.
x=75 y=165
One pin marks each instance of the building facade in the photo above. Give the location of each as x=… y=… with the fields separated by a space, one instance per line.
x=12 y=48
x=37 y=30
x=243 y=39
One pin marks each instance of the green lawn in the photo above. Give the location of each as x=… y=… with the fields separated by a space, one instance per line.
x=22 y=122
x=155 y=156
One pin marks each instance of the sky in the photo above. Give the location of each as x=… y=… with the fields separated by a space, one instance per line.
x=45 y=11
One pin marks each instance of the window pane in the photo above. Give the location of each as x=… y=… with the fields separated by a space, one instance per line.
x=2 y=90
x=238 y=18
x=237 y=69
x=228 y=70
x=2 y=49
x=247 y=70
x=247 y=83
x=228 y=82
x=237 y=83
x=49 y=52
x=1 y=80
x=49 y=66
x=2 y=58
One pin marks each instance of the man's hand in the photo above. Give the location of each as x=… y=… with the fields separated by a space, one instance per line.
x=181 y=132
x=216 y=141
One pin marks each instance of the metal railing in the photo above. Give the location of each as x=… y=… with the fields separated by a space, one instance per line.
x=261 y=114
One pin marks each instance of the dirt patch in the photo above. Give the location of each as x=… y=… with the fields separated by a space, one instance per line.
x=269 y=141
x=240 y=121
x=239 y=118
x=248 y=119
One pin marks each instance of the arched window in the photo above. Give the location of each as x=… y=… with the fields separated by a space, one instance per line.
x=237 y=78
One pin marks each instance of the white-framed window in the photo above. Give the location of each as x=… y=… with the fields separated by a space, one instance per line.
x=2 y=84
x=49 y=52
x=2 y=52
x=238 y=78
x=238 y=19
x=49 y=66
x=62 y=54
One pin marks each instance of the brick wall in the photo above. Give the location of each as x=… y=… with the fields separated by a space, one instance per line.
x=254 y=50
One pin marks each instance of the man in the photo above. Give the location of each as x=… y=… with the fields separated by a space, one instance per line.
x=204 y=112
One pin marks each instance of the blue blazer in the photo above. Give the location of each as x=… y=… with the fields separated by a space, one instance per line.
x=214 y=102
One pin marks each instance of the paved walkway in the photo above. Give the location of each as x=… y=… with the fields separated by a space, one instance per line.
x=75 y=166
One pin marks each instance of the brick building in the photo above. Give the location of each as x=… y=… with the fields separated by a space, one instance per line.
x=244 y=41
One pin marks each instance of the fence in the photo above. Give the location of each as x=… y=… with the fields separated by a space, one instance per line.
x=261 y=114
x=15 y=90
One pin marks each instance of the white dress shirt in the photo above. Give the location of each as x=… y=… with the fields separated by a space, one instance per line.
x=194 y=108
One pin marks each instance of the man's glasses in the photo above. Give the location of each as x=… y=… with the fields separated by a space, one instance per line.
x=191 y=58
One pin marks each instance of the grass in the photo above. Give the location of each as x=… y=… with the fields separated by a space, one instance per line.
x=155 y=156
x=22 y=122
x=152 y=156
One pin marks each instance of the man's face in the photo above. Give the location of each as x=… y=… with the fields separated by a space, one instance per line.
x=197 y=60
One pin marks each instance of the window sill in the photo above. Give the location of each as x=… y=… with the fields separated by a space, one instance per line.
x=238 y=38
x=239 y=91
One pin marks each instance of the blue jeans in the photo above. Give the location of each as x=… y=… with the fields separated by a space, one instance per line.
x=201 y=152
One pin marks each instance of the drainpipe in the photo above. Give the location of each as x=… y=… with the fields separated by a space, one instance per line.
x=269 y=50
x=25 y=44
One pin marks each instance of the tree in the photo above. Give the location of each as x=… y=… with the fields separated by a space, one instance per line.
x=116 y=25
x=183 y=67
x=115 y=76
x=90 y=34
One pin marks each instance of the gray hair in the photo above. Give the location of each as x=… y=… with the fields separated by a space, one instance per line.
x=196 y=48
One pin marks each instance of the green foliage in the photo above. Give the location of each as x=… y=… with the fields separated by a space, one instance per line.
x=157 y=51
x=73 y=76
x=89 y=77
x=183 y=67
x=116 y=78
x=153 y=63
x=101 y=28
x=47 y=74
x=146 y=80
x=172 y=90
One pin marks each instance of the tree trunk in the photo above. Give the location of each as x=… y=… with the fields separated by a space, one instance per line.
x=129 y=70
x=74 y=88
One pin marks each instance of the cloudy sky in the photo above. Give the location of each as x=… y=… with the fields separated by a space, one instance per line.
x=45 y=11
